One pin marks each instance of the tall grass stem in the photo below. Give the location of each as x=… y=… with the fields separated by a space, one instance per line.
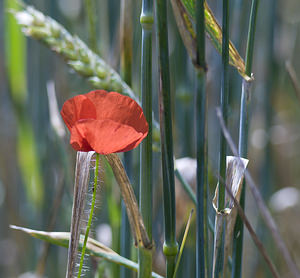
x=201 y=216
x=145 y=202
x=126 y=74
x=170 y=248
x=223 y=144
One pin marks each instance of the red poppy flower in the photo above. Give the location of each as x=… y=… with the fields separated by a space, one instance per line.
x=104 y=122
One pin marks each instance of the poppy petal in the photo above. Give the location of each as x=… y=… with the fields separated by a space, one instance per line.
x=107 y=136
x=77 y=108
x=119 y=108
x=77 y=140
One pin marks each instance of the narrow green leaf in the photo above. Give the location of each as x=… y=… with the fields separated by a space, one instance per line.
x=187 y=228
x=94 y=247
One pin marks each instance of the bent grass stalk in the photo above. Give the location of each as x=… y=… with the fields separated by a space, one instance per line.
x=266 y=214
x=243 y=140
x=90 y=216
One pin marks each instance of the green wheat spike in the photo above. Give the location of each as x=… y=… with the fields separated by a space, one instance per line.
x=75 y=52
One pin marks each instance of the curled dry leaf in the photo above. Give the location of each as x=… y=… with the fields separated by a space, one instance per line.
x=184 y=12
x=234 y=178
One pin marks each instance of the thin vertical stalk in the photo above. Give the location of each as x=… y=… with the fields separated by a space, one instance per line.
x=223 y=145
x=90 y=216
x=224 y=98
x=146 y=20
x=201 y=243
x=90 y=11
x=170 y=245
x=125 y=70
x=243 y=141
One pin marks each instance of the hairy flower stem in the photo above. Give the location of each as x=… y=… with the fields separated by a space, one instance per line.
x=243 y=141
x=90 y=216
x=145 y=202
x=170 y=248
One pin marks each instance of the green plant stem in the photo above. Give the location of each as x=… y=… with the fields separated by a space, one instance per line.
x=224 y=99
x=201 y=218
x=243 y=141
x=201 y=174
x=145 y=204
x=90 y=11
x=90 y=216
x=125 y=70
x=170 y=248
x=223 y=145
x=146 y=90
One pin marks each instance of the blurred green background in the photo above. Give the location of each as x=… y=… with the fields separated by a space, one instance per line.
x=37 y=166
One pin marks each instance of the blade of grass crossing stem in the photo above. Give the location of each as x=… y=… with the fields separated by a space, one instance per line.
x=183 y=243
x=201 y=255
x=90 y=216
x=243 y=141
x=188 y=189
x=125 y=69
x=170 y=248
x=94 y=248
x=145 y=202
x=223 y=145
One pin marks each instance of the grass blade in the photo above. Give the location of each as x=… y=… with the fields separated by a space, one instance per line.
x=183 y=243
x=94 y=248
